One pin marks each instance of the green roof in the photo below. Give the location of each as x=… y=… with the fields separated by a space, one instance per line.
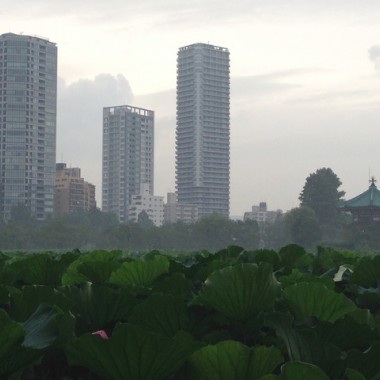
x=370 y=198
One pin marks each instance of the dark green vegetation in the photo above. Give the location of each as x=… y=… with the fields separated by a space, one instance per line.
x=235 y=314
x=315 y=222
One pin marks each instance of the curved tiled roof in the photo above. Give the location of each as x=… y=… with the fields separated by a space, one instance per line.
x=370 y=198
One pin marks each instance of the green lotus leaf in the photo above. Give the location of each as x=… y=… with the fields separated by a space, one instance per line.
x=94 y=306
x=13 y=356
x=294 y=256
x=367 y=362
x=297 y=276
x=346 y=333
x=95 y=267
x=140 y=273
x=132 y=353
x=367 y=272
x=310 y=299
x=47 y=325
x=297 y=347
x=352 y=374
x=231 y=360
x=26 y=301
x=164 y=314
x=296 y=370
x=38 y=269
x=11 y=334
x=176 y=285
x=241 y=291
x=261 y=255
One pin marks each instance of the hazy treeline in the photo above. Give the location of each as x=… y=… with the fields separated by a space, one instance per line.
x=317 y=221
x=96 y=229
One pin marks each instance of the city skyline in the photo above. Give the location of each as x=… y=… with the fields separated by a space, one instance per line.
x=305 y=84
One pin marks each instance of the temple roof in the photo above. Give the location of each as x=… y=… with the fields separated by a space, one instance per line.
x=370 y=198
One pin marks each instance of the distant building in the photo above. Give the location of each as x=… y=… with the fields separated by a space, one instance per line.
x=72 y=192
x=261 y=214
x=28 y=109
x=203 y=128
x=365 y=207
x=153 y=205
x=128 y=157
x=174 y=211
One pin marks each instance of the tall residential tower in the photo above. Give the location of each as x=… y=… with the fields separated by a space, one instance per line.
x=203 y=128
x=28 y=97
x=128 y=156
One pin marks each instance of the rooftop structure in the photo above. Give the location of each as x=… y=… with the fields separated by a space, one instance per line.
x=365 y=206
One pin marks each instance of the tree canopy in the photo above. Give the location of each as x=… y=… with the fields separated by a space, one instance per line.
x=321 y=193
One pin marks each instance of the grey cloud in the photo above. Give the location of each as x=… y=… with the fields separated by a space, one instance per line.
x=79 y=120
x=374 y=56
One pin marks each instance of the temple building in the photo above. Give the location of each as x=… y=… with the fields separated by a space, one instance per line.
x=365 y=207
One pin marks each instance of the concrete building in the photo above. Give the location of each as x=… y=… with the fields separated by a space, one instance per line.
x=28 y=97
x=261 y=214
x=72 y=192
x=144 y=201
x=174 y=211
x=128 y=157
x=203 y=128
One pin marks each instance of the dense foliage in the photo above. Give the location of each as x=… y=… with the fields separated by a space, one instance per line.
x=235 y=314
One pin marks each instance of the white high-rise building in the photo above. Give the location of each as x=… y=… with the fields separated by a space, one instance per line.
x=28 y=112
x=203 y=128
x=128 y=157
x=153 y=205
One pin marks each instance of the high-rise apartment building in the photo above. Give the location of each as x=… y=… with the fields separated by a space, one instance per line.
x=128 y=156
x=203 y=128
x=72 y=192
x=28 y=97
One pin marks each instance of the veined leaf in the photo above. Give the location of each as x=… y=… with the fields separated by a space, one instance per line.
x=307 y=299
x=231 y=360
x=139 y=272
x=164 y=314
x=94 y=306
x=132 y=353
x=367 y=272
x=240 y=291
x=93 y=267
x=295 y=370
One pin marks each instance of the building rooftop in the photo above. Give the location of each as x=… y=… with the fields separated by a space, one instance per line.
x=370 y=198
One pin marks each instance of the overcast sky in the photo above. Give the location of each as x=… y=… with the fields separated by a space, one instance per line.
x=305 y=83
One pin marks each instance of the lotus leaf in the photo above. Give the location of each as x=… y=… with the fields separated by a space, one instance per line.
x=307 y=299
x=241 y=291
x=139 y=272
x=367 y=272
x=231 y=360
x=164 y=314
x=132 y=353
x=296 y=370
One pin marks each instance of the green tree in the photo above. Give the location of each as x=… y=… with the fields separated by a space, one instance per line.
x=302 y=227
x=321 y=194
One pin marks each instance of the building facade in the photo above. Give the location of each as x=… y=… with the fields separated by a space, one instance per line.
x=174 y=211
x=261 y=214
x=128 y=157
x=153 y=205
x=72 y=192
x=28 y=97
x=203 y=128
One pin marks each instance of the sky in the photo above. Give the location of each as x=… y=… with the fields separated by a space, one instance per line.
x=305 y=84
